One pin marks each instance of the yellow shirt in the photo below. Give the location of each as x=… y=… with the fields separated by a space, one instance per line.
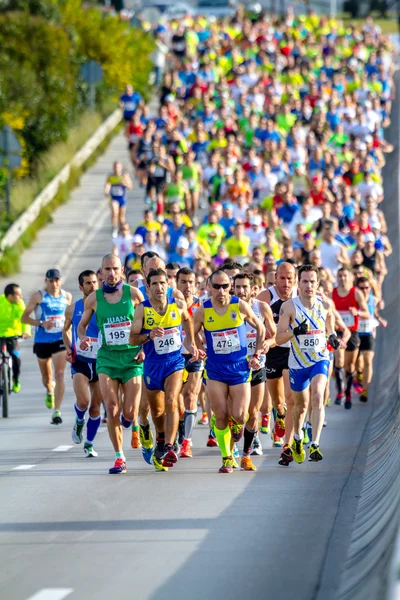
x=236 y=247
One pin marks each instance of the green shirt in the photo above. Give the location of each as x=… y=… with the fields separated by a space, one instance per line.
x=114 y=321
x=10 y=318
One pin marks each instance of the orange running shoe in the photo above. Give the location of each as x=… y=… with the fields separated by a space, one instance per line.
x=277 y=442
x=203 y=420
x=264 y=424
x=135 y=442
x=246 y=464
x=186 y=451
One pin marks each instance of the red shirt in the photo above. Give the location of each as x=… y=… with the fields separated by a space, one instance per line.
x=343 y=305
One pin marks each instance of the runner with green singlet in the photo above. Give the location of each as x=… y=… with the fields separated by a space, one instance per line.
x=118 y=363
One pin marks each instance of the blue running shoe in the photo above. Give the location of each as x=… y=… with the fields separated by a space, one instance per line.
x=235 y=451
x=146 y=439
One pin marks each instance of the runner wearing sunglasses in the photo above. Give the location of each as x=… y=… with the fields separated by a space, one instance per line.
x=228 y=370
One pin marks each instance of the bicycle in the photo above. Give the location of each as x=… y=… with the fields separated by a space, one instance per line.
x=5 y=376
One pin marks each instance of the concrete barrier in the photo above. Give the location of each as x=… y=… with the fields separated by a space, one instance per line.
x=366 y=572
x=49 y=192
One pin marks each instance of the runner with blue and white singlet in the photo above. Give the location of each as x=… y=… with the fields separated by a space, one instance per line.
x=83 y=366
x=49 y=305
x=308 y=323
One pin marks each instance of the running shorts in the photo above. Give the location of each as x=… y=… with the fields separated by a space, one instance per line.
x=88 y=369
x=47 y=349
x=367 y=343
x=231 y=373
x=258 y=377
x=276 y=364
x=121 y=366
x=155 y=373
x=354 y=341
x=300 y=379
x=193 y=367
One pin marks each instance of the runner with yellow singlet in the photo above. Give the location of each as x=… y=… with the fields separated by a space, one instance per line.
x=158 y=324
x=118 y=362
x=116 y=185
x=227 y=371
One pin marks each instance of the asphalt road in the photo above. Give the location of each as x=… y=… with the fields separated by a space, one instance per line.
x=70 y=530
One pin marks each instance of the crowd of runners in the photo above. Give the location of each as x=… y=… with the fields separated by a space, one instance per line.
x=256 y=273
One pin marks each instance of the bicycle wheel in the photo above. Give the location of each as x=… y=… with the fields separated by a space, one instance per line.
x=5 y=389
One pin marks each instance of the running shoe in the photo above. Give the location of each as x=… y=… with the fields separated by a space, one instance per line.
x=119 y=467
x=147 y=442
x=235 y=451
x=203 y=420
x=256 y=447
x=359 y=377
x=89 y=451
x=358 y=388
x=277 y=442
x=298 y=452
x=16 y=387
x=264 y=424
x=280 y=427
x=347 y=402
x=235 y=463
x=246 y=464
x=49 y=400
x=236 y=430
x=309 y=430
x=364 y=396
x=56 y=418
x=135 y=441
x=227 y=465
x=325 y=423
x=315 y=453
x=77 y=431
x=157 y=456
x=212 y=440
x=339 y=399
x=186 y=451
x=170 y=457
x=286 y=456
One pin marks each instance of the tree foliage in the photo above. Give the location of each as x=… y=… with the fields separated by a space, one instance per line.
x=43 y=44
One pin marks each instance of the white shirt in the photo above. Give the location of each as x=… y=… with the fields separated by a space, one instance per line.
x=122 y=246
x=256 y=237
x=156 y=248
x=329 y=254
x=265 y=184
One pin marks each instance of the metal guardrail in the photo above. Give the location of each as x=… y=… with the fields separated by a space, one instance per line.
x=50 y=191
x=366 y=572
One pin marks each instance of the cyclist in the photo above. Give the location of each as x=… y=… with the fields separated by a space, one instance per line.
x=11 y=310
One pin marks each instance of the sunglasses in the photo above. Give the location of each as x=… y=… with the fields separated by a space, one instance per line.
x=218 y=286
x=365 y=287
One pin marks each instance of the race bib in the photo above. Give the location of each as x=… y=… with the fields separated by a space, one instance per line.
x=251 y=343
x=225 y=342
x=314 y=341
x=191 y=184
x=159 y=172
x=134 y=138
x=366 y=325
x=117 y=190
x=129 y=106
x=170 y=342
x=58 y=323
x=91 y=352
x=348 y=318
x=117 y=334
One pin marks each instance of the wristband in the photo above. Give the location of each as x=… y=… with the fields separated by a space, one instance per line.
x=40 y=324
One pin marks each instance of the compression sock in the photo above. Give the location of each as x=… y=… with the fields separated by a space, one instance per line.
x=224 y=440
x=120 y=455
x=80 y=414
x=93 y=425
x=349 y=381
x=124 y=422
x=236 y=430
x=190 y=419
x=339 y=375
x=249 y=436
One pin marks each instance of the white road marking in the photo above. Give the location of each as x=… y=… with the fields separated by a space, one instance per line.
x=61 y=448
x=51 y=594
x=23 y=467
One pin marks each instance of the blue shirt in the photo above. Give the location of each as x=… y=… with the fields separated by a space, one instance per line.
x=130 y=103
x=175 y=234
x=287 y=212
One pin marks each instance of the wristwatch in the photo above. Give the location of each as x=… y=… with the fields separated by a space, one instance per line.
x=40 y=323
x=147 y=337
x=256 y=355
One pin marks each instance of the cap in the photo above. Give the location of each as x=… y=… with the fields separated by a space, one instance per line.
x=53 y=274
x=255 y=220
x=216 y=206
x=227 y=205
x=137 y=239
x=369 y=237
x=183 y=243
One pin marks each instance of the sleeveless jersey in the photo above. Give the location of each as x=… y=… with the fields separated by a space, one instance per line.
x=343 y=304
x=114 y=321
x=225 y=334
x=142 y=289
x=251 y=335
x=308 y=349
x=117 y=190
x=92 y=333
x=169 y=346
x=51 y=309
x=275 y=305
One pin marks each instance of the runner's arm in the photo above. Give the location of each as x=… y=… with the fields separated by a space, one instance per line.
x=66 y=332
x=265 y=296
x=128 y=181
x=34 y=300
x=136 y=338
x=363 y=311
x=90 y=307
x=137 y=296
x=286 y=316
x=270 y=327
x=340 y=324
